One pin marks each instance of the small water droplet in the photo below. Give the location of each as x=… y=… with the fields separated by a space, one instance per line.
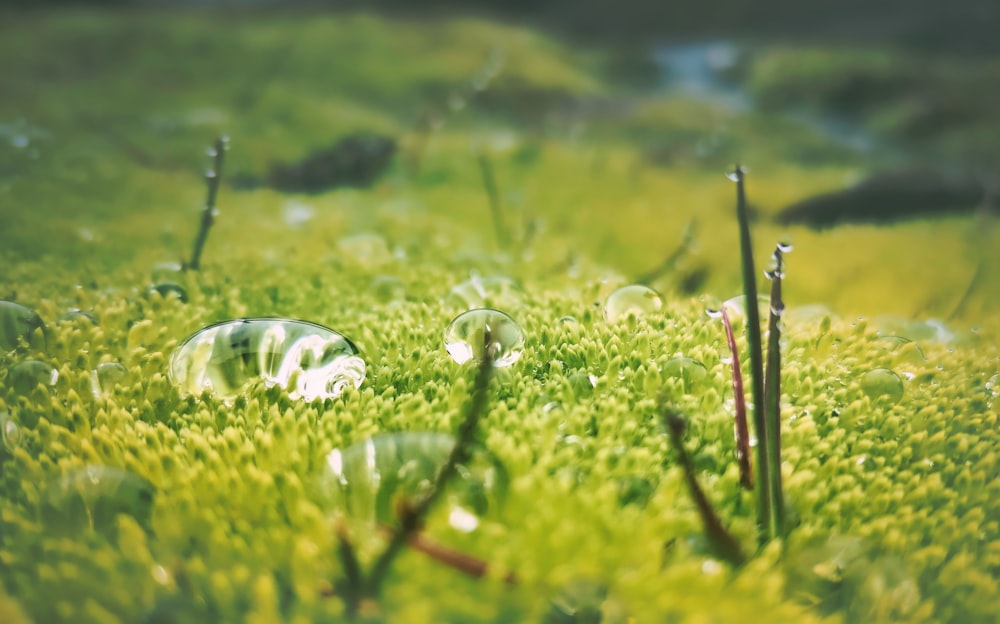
x=568 y=320
x=25 y=376
x=711 y=567
x=736 y=307
x=634 y=300
x=713 y=312
x=160 y=574
x=785 y=246
x=10 y=433
x=993 y=385
x=733 y=176
x=388 y=288
x=366 y=480
x=484 y=292
x=106 y=377
x=309 y=360
x=166 y=272
x=688 y=370
x=169 y=290
x=365 y=248
x=464 y=338
x=210 y=174
x=882 y=384
x=16 y=322
x=78 y=315
x=91 y=498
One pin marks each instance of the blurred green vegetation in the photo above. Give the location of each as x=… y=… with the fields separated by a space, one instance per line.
x=104 y=120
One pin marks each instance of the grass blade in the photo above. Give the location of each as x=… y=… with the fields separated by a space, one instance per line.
x=722 y=541
x=764 y=529
x=740 y=400
x=772 y=395
x=493 y=193
x=214 y=177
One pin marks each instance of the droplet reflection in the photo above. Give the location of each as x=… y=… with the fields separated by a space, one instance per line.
x=465 y=337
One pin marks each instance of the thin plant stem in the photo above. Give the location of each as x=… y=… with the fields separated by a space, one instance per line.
x=764 y=529
x=465 y=563
x=670 y=261
x=722 y=541
x=772 y=397
x=740 y=401
x=490 y=184
x=353 y=577
x=214 y=177
x=413 y=516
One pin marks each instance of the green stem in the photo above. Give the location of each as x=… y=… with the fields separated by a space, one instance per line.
x=772 y=399
x=214 y=177
x=764 y=529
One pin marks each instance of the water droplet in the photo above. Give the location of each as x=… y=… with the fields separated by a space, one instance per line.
x=785 y=246
x=483 y=292
x=92 y=498
x=296 y=214
x=311 y=361
x=25 y=376
x=10 y=433
x=736 y=307
x=688 y=370
x=733 y=176
x=106 y=377
x=568 y=320
x=365 y=248
x=882 y=384
x=78 y=315
x=993 y=385
x=16 y=322
x=464 y=338
x=367 y=480
x=166 y=272
x=160 y=574
x=634 y=301
x=170 y=290
x=388 y=288
x=713 y=312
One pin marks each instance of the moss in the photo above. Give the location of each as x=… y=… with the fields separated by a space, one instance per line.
x=237 y=529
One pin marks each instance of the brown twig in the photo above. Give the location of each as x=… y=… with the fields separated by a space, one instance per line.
x=740 y=401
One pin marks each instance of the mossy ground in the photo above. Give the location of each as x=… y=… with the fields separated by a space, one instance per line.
x=118 y=106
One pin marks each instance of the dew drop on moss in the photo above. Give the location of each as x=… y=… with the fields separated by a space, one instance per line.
x=76 y=315
x=309 y=360
x=882 y=384
x=634 y=300
x=106 y=377
x=369 y=479
x=387 y=288
x=16 y=322
x=10 y=433
x=484 y=291
x=25 y=376
x=464 y=338
x=688 y=370
x=92 y=497
x=170 y=289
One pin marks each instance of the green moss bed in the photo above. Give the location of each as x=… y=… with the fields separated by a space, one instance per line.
x=894 y=501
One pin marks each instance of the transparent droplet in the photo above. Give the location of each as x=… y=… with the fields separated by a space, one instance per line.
x=993 y=385
x=688 y=370
x=365 y=248
x=882 y=384
x=309 y=360
x=369 y=480
x=736 y=307
x=10 y=433
x=16 y=322
x=78 y=315
x=483 y=292
x=166 y=272
x=465 y=337
x=388 y=288
x=91 y=498
x=634 y=300
x=106 y=377
x=785 y=246
x=170 y=290
x=25 y=376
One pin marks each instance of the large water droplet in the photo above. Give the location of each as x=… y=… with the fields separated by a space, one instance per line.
x=369 y=479
x=16 y=322
x=311 y=361
x=634 y=300
x=882 y=384
x=92 y=498
x=465 y=337
x=688 y=370
x=484 y=291
x=25 y=376
x=106 y=377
